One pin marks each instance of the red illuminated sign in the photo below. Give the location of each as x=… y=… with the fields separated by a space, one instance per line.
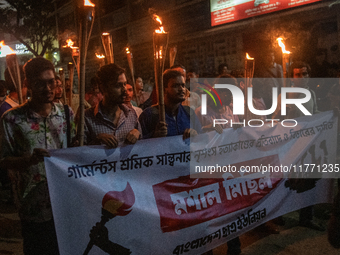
x=225 y=11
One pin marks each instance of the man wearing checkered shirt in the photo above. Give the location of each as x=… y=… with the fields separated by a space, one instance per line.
x=110 y=122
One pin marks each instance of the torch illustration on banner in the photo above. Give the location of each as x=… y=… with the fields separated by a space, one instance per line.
x=108 y=47
x=115 y=203
x=130 y=61
x=13 y=67
x=160 y=44
x=285 y=61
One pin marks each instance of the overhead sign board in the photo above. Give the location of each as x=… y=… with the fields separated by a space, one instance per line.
x=226 y=11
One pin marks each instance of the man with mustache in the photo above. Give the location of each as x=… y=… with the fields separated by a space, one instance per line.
x=111 y=122
x=178 y=118
x=28 y=132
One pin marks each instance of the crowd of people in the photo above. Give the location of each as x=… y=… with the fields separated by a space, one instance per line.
x=115 y=116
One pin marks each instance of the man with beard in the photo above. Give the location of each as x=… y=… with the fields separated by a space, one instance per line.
x=111 y=122
x=28 y=132
x=178 y=118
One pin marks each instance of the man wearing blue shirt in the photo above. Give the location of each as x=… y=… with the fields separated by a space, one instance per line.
x=177 y=117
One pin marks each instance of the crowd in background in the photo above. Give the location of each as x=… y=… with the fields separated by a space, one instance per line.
x=115 y=115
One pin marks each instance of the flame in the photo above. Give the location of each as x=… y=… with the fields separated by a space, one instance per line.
x=161 y=28
x=283 y=47
x=248 y=57
x=119 y=202
x=88 y=3
x=6 y=50
x=105 y=33
x=158 y=19
x=100 y=56
x=70 y=44
x=127 y=50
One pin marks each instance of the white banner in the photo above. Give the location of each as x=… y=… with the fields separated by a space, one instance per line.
x=140 y=198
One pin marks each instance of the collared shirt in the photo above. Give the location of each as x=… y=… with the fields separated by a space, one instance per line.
x=97 y=123
x=23 y=130
x=137 y=109
x=185 y=118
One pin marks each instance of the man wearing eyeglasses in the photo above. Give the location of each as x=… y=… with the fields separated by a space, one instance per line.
x=110 y=122
x=28 y=132
x=178 y=118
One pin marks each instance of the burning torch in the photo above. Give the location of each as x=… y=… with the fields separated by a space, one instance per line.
x=108 y=47
x=285 y=61
x=249 y=67
x=70 y=67
x=101 y=59
x=75 y=53
x=13 y=67
x=129 y=58
x=87 y=18
x=160 y=44
x=114 y=204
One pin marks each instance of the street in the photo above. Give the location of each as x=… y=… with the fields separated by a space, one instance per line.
x=292 y=240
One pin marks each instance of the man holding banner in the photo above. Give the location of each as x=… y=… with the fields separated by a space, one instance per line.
x=28 y=132
x=177 y=116
x=111 y=122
